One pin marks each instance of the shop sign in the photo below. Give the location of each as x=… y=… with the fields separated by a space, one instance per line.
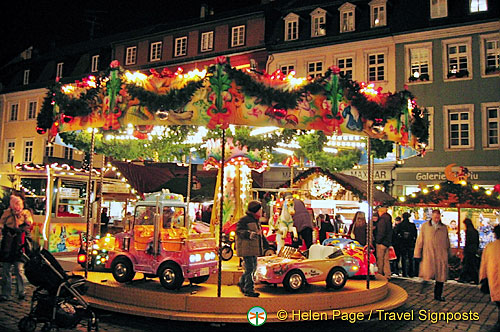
x=378 y=174
x=113 y=188
x=69 y=192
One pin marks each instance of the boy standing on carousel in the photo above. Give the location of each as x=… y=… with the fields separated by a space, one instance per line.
x=249 y=246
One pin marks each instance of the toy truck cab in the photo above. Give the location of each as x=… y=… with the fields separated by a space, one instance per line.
x=159 y=244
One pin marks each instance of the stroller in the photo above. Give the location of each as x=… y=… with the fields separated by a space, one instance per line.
x=57 y=301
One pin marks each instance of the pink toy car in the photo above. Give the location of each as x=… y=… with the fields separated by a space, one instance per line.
x=293 y=269
x=158 y=245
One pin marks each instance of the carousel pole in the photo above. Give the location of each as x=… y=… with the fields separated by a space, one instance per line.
x=101 y=198
x=291 y=175
x=369 y=196
x=89 y=206
x=188 y=193
x=221 y=212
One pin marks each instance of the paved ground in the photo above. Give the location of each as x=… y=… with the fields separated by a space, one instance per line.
x=461 y=298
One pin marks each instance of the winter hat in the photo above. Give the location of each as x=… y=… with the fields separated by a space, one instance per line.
x=254 y=206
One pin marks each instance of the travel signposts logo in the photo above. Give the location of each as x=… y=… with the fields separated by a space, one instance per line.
x=256 y=316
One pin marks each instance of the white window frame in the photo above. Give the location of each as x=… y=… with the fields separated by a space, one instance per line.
x=207 y=41
x=376 y=6
x=345 y=57
x=238 y=35
x=59 y=69
x=430 y=117
x=13 y=107
x=315 y=72
x=439 y=10
x=485 y=125
x=346 y=9
x=130 y=55
x=287 y=68
x=28 y=150
x=408 y=64
x=480 y=6
x=368 y=65
x=467 y=41
x=30 y=112
x=155 y=51
x=49 y=149
x=318 y=18
x=291 y=27
x=94 y=64
x=484 y=53
x=10 y=150
x=469 y=108
x=26 y=77
x=180 y=46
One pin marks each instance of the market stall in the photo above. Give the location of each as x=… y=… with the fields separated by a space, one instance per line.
x=458 y=201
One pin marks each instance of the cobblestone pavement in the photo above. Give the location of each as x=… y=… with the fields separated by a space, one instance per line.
x=460 y=298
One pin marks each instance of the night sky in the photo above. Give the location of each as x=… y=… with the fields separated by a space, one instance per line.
x=24 y=23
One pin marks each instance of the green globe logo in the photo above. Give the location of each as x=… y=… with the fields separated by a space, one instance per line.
x=257 y=316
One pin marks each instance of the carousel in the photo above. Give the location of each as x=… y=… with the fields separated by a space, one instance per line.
x=118 y=105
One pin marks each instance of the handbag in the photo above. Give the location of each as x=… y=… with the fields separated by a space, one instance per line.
x=392 y=253
x=485 y=287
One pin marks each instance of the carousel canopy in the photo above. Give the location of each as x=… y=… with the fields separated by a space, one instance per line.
x=120 y=101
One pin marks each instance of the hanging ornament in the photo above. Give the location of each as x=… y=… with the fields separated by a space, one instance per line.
x=41 y=131
x=162 y=115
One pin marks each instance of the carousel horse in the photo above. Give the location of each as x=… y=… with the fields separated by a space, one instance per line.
x=284 y=224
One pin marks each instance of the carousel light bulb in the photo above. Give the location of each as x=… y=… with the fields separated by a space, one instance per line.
x=475 y=187
x=463 y=182
x=488 y=192
x=425 y=190
x=402 y=198
x=437 y=186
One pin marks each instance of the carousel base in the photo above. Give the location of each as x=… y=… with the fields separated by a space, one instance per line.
x=146 y=297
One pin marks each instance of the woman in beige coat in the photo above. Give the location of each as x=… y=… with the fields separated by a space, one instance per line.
x=433 y=247
x=490 y=268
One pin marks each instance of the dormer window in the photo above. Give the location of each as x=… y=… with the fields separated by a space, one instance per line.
x=291 y=27
x=477 y=6
x=378 y=13
x=318 y=22
x=439 y=8
x=347 y=17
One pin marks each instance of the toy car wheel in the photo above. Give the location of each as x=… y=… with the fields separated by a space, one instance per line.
x=122 y=269
x=49 y=328
x=171 y=276
x=269 y=252
x=294 y=281
x=27 y=324
x=336 y=278
x=199 y=280
x=226 y=253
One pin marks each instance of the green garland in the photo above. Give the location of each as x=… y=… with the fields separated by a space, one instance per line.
x=465 y=194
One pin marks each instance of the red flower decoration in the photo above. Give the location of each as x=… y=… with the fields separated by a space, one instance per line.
x=335 y=70
x=220 y=60
x=114 y=64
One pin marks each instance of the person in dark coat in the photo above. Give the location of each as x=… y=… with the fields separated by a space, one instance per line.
x=249 y=246
x=302 y=221
x=383 y=241
x=357 y=231
x=395 y=243
x=470 y=272
x=405 y=237
x=325 y=226
x=338 y=224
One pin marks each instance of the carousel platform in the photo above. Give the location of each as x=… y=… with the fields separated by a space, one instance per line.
x=146 y=297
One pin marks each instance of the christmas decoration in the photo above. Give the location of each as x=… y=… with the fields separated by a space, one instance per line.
x=221 y=95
